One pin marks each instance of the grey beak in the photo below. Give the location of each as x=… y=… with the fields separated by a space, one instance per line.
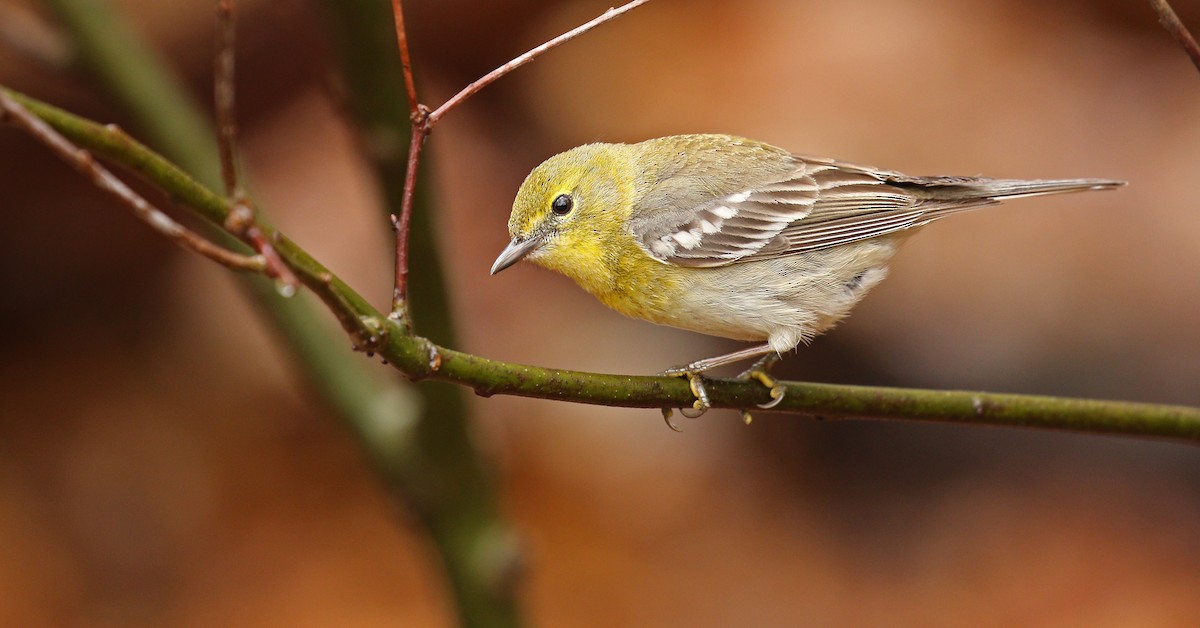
x=515 y=250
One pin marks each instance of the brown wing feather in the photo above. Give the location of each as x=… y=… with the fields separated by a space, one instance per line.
x=811 y=204
x=775 y=218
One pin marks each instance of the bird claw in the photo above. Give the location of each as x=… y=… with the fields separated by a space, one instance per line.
x=777 y=393
x=702 y=404
x=758 y=372
x=696 y=383
x=667 y=412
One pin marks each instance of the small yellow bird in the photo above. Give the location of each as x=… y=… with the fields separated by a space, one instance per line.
x=731 y=237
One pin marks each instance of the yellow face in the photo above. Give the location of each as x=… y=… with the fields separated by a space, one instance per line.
x=547 y=198
x=568 y=208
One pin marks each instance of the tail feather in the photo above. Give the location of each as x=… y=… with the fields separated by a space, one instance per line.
x=1001 y=189
x=927 y=199
x=965 y=188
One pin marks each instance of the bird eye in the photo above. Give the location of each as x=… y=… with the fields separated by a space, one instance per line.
x=562 y=204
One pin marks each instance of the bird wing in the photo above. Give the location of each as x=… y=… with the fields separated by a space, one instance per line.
x=817 y=204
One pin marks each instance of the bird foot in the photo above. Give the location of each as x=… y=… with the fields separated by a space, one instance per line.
x=696 y=383
x=758 y=372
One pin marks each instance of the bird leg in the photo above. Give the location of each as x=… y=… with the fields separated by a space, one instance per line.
x=758 y=372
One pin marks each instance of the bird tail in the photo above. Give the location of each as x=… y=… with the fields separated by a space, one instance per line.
x=1001 y=189
x=981 y=190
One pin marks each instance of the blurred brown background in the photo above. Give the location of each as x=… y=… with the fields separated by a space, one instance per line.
x=160 y=465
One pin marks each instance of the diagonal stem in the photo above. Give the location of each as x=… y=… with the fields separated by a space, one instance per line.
x=520 y=60
x=84 y=162
x=1170 y=21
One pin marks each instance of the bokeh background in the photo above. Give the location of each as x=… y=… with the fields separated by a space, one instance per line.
x=160 y=463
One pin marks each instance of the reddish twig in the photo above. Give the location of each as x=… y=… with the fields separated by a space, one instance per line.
x=424 y=120
x=405 y=61
x=83 y=161
x=521 y=60
x=1170 y=21
x=241 y=220
x=420 y=131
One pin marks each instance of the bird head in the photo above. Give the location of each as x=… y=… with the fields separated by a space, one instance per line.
x=569 y=208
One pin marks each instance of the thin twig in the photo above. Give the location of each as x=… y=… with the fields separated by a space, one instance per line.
x=83 y=161
x=534 y=53
x=420 y=132
x=424 y=120
x=1170 y=21
x=241 y=221
x=405 y=61
x=418 y=114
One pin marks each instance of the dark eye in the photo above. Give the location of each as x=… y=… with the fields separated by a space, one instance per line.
x=562 y=204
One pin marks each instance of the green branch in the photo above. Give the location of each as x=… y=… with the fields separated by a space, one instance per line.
x=421 y=359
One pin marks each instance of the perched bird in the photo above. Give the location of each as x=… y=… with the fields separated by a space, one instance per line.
x=731 y=237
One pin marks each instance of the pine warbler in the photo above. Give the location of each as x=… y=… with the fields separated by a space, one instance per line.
x=731 y=237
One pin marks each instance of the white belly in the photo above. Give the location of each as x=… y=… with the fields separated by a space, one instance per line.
x=783 y=301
